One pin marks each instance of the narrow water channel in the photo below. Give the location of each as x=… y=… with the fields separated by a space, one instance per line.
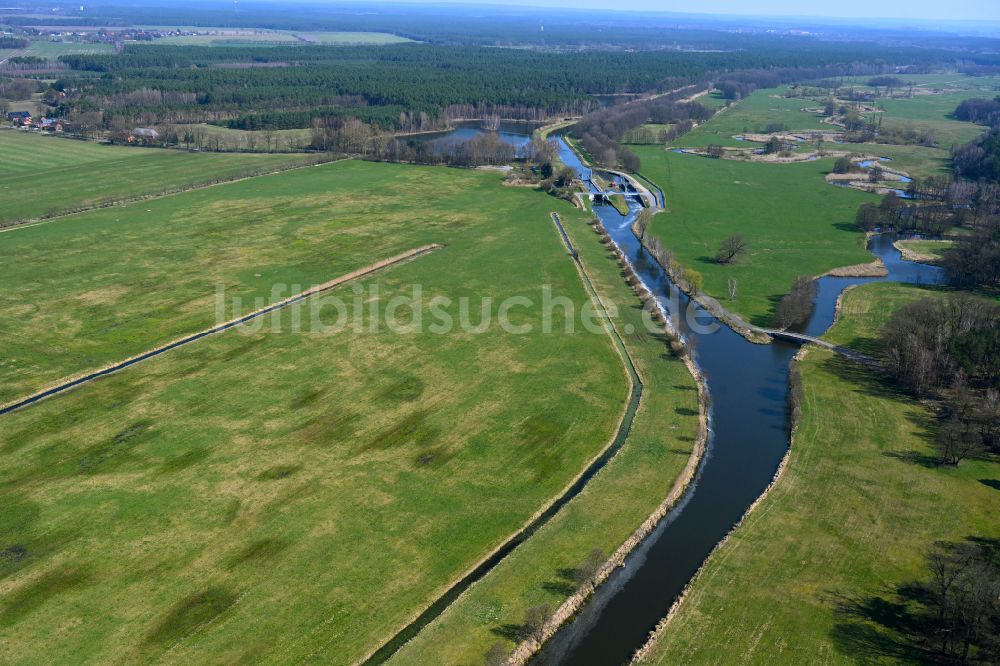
x=749 y=436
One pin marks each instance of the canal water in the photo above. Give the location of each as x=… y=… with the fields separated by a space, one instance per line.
x=749 y=436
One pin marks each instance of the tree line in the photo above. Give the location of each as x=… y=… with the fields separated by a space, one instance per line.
x=948 y=348
x=600 y=132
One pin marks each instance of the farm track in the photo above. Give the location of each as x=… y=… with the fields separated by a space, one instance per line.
x=219 y=328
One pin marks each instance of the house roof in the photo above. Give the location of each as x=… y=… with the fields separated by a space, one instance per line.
x=145 y=131
x=19 y=114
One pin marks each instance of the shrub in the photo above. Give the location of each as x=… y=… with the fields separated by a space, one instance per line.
x=797 y=305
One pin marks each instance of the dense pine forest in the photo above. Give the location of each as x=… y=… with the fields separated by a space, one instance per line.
x=415 y=86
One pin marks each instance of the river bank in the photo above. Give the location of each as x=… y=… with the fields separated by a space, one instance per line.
x=748 y=441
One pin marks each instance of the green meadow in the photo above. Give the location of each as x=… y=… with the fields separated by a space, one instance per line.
x=864 y=313
x=933 y=112
x=614 y=503
x=285 y=495
x=351 y=38
x=794 y=222
x=848 y=523
x=242 y=37
x=753 y=114
x=251 y=140
x=917 y=161
x=89 y=289
x=52 y=50
x=922 y=111
x=45 y=175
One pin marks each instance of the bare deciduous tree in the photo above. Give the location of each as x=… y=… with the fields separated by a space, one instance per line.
x=535 y=620
x=589 y=567
x=731 y=249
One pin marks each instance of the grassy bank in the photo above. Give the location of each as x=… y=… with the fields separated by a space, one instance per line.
x=928 y=251
x=286 y=495
x=864 y=311
x=847 y=523
x=615 y=502
x=44 y=175
x=793 y=221
x=619 y=203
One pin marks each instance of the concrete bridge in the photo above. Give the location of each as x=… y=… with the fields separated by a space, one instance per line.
x=801 y=338
x=605 y=196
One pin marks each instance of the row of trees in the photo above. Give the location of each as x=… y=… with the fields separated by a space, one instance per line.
x=935 y=205
x=601 y=131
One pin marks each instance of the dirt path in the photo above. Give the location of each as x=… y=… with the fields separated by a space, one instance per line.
x=68 y=384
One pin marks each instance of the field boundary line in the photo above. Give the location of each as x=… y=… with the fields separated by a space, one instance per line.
x=67 y=384
x=453 y=591
x=17 y=225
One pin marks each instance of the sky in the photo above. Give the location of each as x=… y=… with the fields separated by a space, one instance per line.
x=949 y=10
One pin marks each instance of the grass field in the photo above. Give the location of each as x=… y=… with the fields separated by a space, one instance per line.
x=284 y=496
x=933 y=112
x=619 y=203
x=764 y=107
x=930 y=250
x=795 y=223
x=714 y=100
x=233 y=139
x=864 y=313
x=236 y=37
x=917 y=161
x=226 y=37
x=617 y=500
x=45 y=175
x=936 y=81
x=52 y=50
x=348 y=38
x=820 y=559
x=753 y=114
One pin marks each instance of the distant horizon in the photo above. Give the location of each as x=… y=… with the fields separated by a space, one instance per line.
x=853 y=10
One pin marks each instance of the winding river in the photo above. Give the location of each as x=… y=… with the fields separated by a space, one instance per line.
x=749 y=436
